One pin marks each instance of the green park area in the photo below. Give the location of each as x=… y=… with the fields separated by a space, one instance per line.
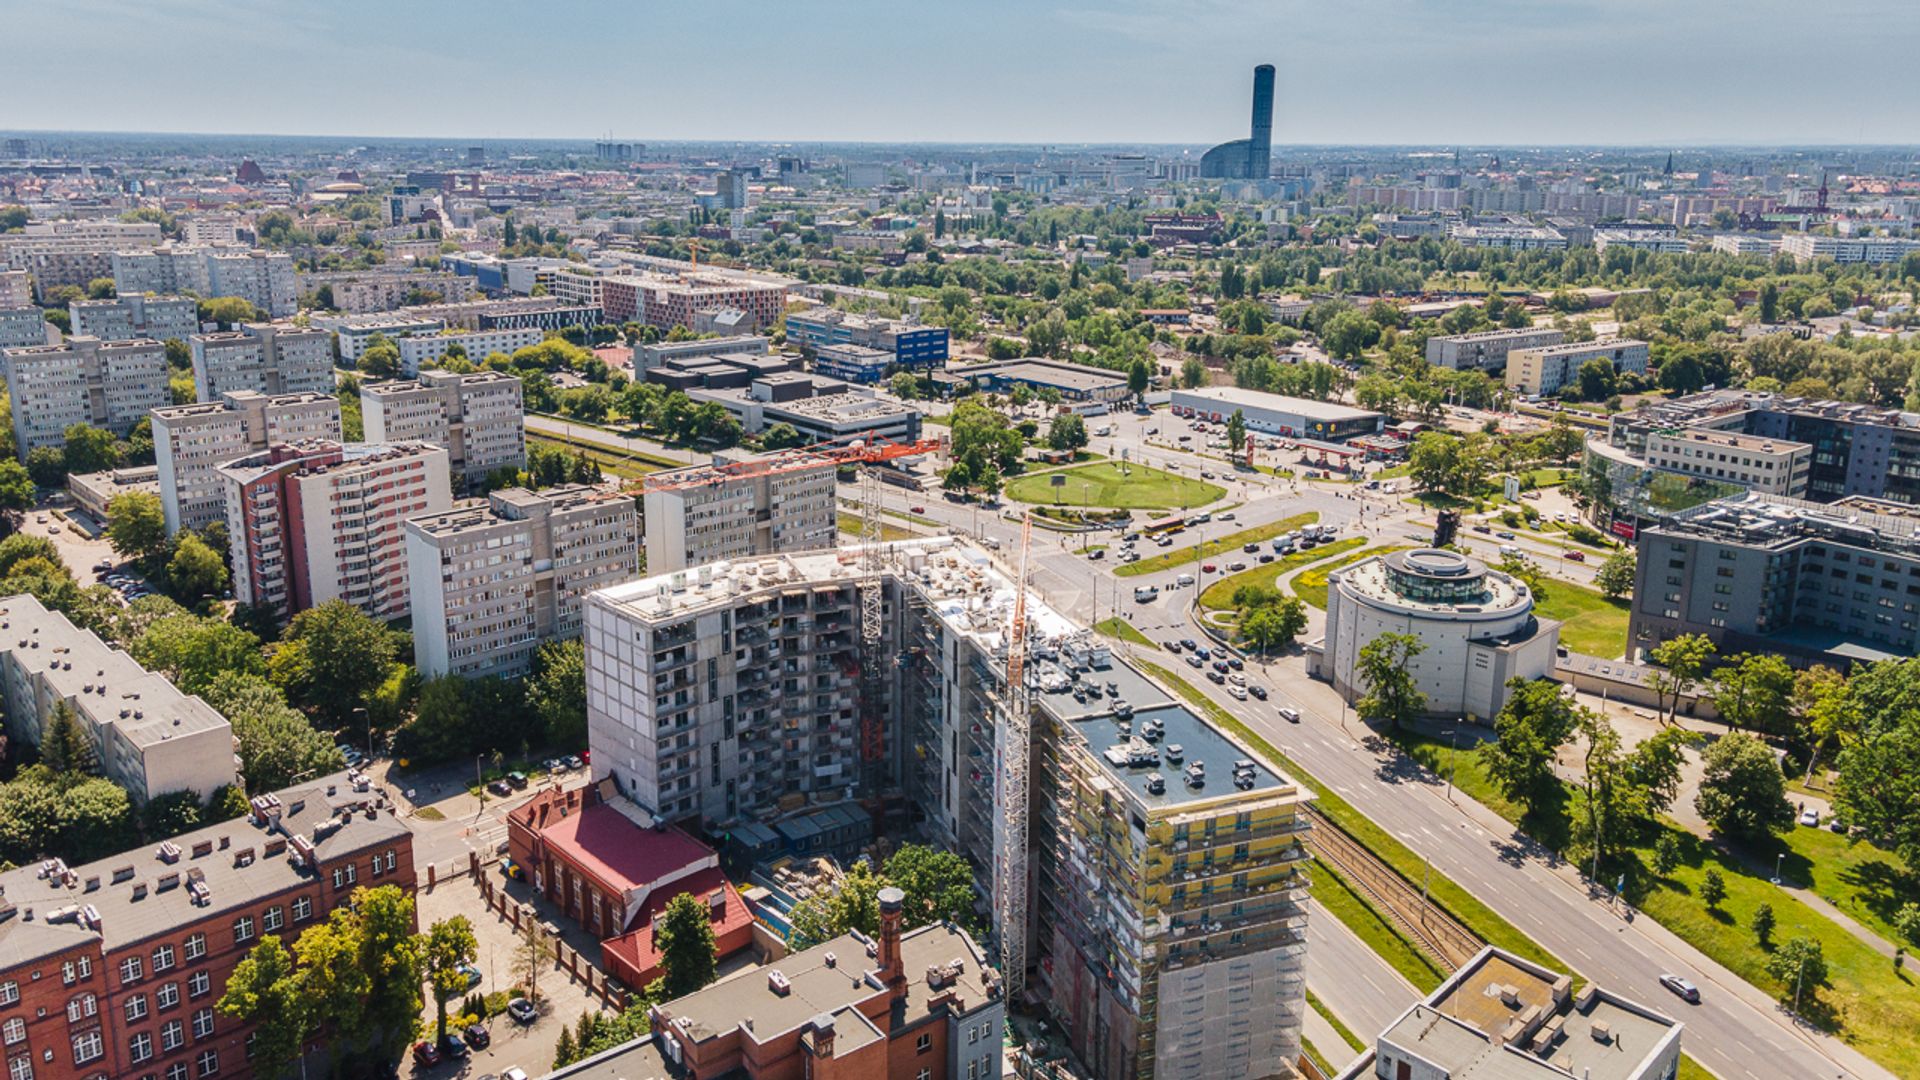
x=1219 y=595
x=1589 y=623
x=1114 y=485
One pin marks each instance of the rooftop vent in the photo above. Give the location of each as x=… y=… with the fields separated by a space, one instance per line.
x=779 y=983
x=168 y=852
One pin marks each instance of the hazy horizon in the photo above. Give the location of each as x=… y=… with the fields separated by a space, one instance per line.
x=1549 y=73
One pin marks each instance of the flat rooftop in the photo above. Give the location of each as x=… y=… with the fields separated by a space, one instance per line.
x=1048 y=373
x=1132 y=760
x=1732 y=440
x=1260 y=399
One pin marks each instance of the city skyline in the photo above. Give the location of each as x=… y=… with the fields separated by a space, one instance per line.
x=1092 y=72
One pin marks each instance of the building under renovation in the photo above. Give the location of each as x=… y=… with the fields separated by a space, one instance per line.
x=1147 y=888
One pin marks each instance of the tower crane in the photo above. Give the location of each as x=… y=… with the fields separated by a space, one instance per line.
x=1010 y=854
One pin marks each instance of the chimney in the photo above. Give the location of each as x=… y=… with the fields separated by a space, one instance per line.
x=892 y=969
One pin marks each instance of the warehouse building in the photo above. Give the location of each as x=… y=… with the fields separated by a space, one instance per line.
x=1277 y=414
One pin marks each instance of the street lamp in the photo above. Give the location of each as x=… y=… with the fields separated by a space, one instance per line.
x=1776 y=867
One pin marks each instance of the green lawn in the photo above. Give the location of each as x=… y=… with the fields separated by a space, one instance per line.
x=1219 y=595
x=1346 y=1033
x=1337 y=897
x=636 y=458
x=1104 y=484
x=1311 y=585
x=1122 y=629
x=611 y=462
x=850 y=524
x=1589 y=623
x=1866 y=1002
x=1229 y=542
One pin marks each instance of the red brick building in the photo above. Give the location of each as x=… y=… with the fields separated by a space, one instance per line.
x=112 y=969
x=607 y=865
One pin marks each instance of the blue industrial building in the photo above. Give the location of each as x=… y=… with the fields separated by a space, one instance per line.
x=841 y=342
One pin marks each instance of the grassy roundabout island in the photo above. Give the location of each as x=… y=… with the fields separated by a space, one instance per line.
x=1115 y=485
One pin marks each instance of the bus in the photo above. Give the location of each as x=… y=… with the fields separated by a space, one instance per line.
x=1166 y=526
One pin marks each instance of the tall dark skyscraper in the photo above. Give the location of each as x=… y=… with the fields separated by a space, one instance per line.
x=1250 y=158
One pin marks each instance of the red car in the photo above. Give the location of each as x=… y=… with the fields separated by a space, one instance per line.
x=426 y=1055
x=919 y=509
x=1577 y=556
x=1206 y=568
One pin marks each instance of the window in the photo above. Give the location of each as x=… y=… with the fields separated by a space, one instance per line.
x=9 y=993
x=198 y=984
x=136 y=1008
x=82 y=1007
x=173 y=1035
x=389 y=862
x=923 y=1044
x=20 y=1068
x=140 y=1047
x=923 y=1074
x=302 y=909
x=203 y=1023
x=243 y=930
x=162 y=959
x=130 y=970
x=167 y=996
x=273 y=919
x=14 y=1031
x=208 y=1063
x=196 y=946
x=87 y=1046
x=177 y=1071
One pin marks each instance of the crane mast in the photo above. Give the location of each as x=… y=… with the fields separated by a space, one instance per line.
x=873 y=666
x=1010 y=856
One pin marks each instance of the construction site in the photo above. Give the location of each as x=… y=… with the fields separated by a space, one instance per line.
x=1142 y=872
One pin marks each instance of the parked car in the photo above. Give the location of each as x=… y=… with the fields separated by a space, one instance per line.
x=500 y=788
x=1810 y=818
x=425 y=1056
x=478 y=1037
x=522 y=1010
x=472 y=973
x=1289 y=714
x=1097 y=553
x=517 y=779
x=1686 y=990
x=453 y=1046
x=514 y=1072
x=574 y=761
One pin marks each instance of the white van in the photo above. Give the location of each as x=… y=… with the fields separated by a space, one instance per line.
x=1146 y=593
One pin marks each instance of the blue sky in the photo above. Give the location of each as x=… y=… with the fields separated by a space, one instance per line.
x=1683 y=72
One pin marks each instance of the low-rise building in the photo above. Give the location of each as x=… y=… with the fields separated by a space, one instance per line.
x=1507 y=237
x=92 y=492
x=191 y=442
x=1476 y=626
x=1277 y=414
x=116 y=967
x=479 y=418
x=1545 y=369
x=1640 y=240
x=108 y=384
x=907 y=342
x=1487 y=350
x=160 y=318
x=316 y=521
x=1502 y=1017
x=149 y=737
x=740 y=506
x=492 y=582
x=1073 y=382
x=647 y=357
x=820 y=409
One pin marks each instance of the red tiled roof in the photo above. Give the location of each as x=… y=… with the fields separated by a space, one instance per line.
x=633 y=953
x=621 y=854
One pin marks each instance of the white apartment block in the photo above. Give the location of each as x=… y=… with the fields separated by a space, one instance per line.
x=368 y=292
x=354 y=332
x=1640 y=240
x=52 y=263
x=1770 y=466
x=108 y=384
x=262 y=278
x=1487 y=350
x=1867 y=249
x=149 y=737
x=317 y=521
x=265 y=358
x=207 y=229
x=129 y=233
x=22 y=326
x=1508 y=237
x=1544 y=370
x=136 y=316
x=478 y=418
x=16 y=289
x=422 y=349
x=739 y=506
x=1745 y=244
x=491 y=582
x=191 y=442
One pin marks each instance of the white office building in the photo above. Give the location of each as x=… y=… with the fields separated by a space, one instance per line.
x=493 y=581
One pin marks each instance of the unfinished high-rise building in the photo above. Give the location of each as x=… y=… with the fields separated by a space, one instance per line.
x=1166 y=885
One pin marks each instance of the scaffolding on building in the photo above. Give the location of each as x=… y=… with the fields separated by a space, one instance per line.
x=1010 y=856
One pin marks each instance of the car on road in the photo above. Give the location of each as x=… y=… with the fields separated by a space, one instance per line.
x=1165 y=541
x=1577 y=556
x=424 y=1055
x=1205 y=475
x=1237 y=679
x=1810 y=818
x=1482 y=528
x=1237 y=565
x=917 y=509
x=1266 y=557
x=1681 y=987
x=1217 y=677
x=1194 y=661
x=1183 y=581
x=1208 y=568
x=1172 y=646
x=522 y=1010
x=1228 y=516
x=1239 y=693
x=1290 y=714
x=1188 y=643
x=1221 y=666
x=1257 y=691
x=1146 y=594
x=1236 y=663
x=1201 y=651
x=1097 y=553
x=1504 y=535
x=1251 y=549
x=1153 y=431
x=478 y=1037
